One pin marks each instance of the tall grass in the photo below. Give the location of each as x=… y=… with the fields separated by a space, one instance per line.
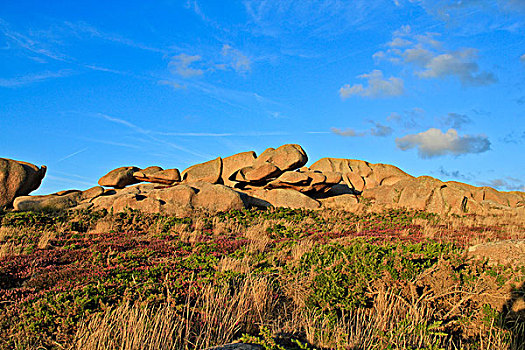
x=220 y=315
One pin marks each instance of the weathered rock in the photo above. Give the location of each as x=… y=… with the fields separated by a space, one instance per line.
x=286 y=157
x=257 y=174
x=316 y=177
x=288 y=198
x=290 y=179
x=18 y=179
x=176 y=200
x=151 y=170
x=343 y=202
x=234 y=163
x=359 y=174
x=106 y=200
x=333 y=177
x=52 y=201
x=91 y=193
x=119 y=178
x=165 y=177
x=137 y=202
x=217 y=198
x=508 y=252
x=210 y=171
x=355 y=181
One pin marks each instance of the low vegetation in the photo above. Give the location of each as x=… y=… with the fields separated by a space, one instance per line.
x=281 y=278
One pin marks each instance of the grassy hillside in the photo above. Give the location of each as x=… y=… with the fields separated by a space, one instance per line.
x=286 y=279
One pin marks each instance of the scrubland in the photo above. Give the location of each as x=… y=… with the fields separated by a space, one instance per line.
x=281 y=278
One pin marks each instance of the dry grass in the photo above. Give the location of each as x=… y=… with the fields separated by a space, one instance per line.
x=216 y=317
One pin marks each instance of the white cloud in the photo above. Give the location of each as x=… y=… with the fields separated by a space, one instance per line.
x=181 y=65
x=430 y=60
x=522 y=58
x=434 y=143
x=377 y=86
x=237 y=60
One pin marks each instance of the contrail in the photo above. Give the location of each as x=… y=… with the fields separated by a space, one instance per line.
x=71 y=155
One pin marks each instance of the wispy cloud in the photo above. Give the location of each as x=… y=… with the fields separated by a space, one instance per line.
x=62 y=179
x=409 y=119
x=378 y=86
x=173 y=84
x=515 y=137
x=181 y=65
x=430 y=60
x=434 y=143
x=507 y=183
x=456 y=120
x=522 y=58
x=348 y=132
x=323 y=18
x=236 y=59
x=30 y=44
x=455 y=174
x=83 y=28
x=34 y=78
x=378 y=130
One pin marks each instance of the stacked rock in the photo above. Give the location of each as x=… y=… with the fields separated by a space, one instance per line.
x=277 y=177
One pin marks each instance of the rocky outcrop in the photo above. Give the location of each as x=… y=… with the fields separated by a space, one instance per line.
x=210 y=171
x=361 y=175
x=120 y=177
x=18 y=179
x=276 y=178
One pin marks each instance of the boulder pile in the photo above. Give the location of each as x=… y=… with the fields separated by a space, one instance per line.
x=277 y=177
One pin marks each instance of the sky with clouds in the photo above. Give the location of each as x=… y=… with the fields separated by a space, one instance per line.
x=434 y=87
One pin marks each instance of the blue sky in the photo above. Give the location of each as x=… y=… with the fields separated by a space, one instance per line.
x=434 y=87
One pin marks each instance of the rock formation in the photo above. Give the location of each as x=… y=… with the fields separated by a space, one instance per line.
x=18 y=179
x=277 y=178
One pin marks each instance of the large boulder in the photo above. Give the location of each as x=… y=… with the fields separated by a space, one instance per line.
x=176 y=200
x=210 y=172
x=258 y=174
x=233 y=163
x=119 y=178
x=217 y=198
x=286 y=157
x=158 y=175
x=58 y=201
x=18 y=179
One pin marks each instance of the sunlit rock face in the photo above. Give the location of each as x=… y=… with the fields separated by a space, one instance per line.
x=277 y=177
